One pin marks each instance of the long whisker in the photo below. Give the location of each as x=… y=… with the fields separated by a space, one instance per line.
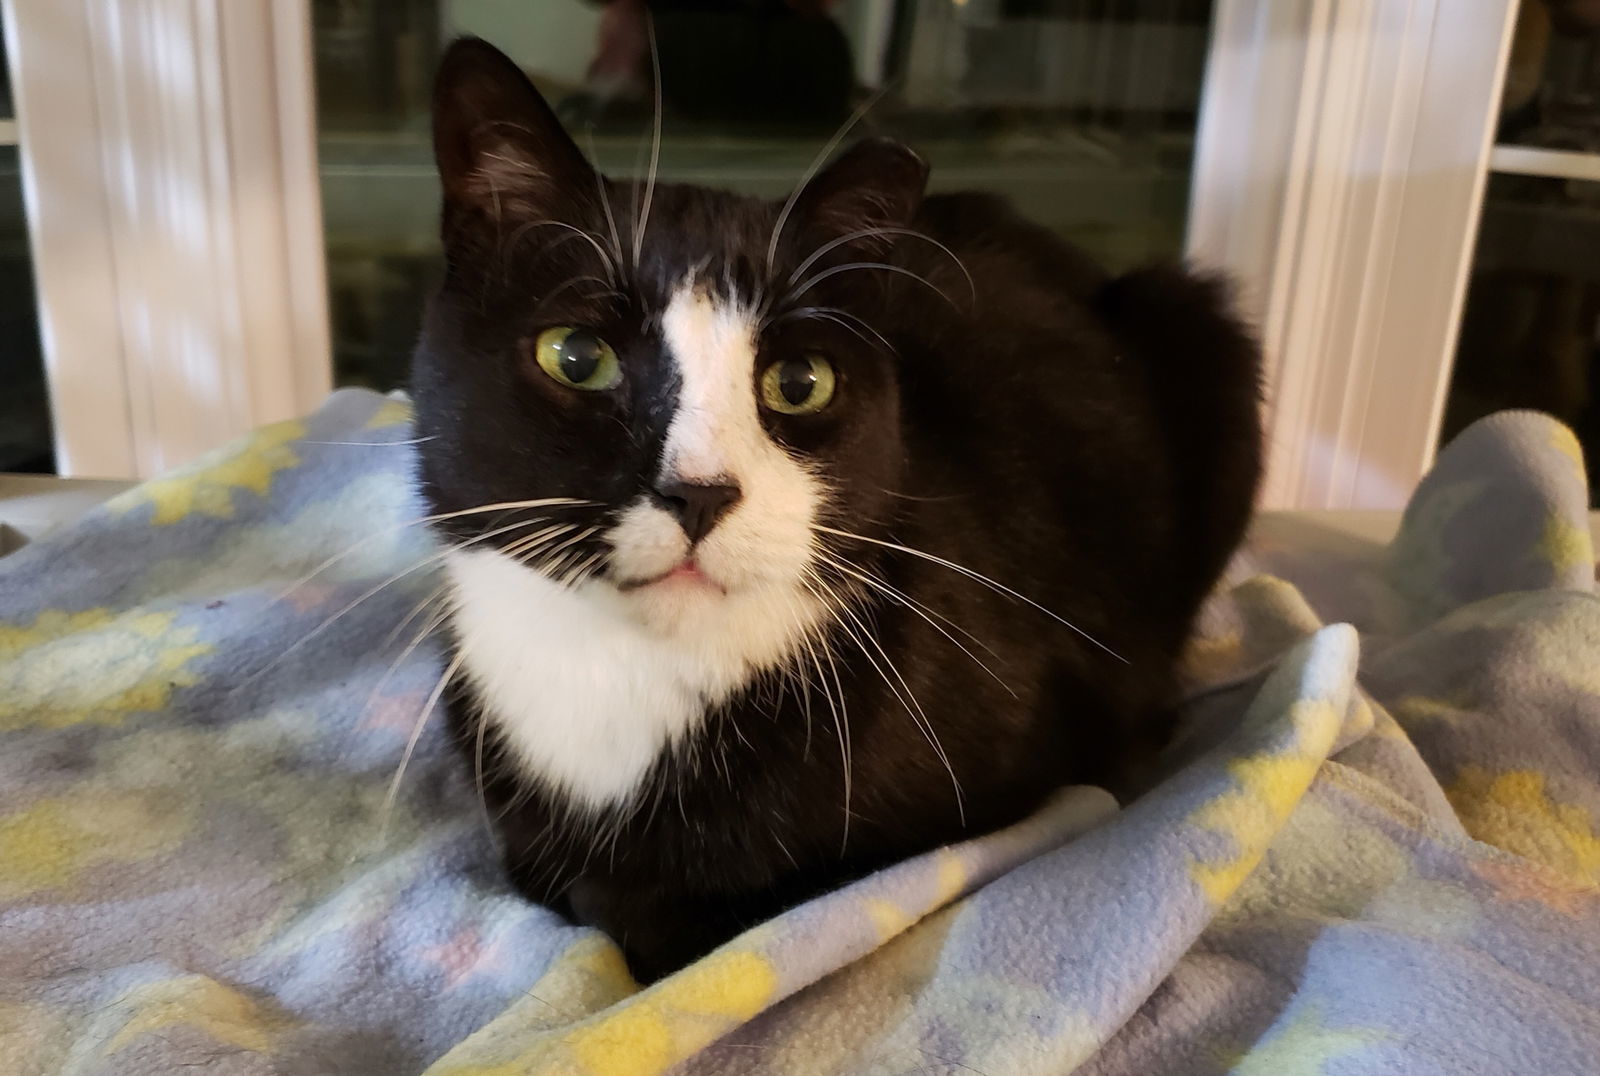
x=385 y=532
x=975 y=577
x=477 y=770
x=516 y=237
x=605 y=195
x=655 y=143
x=865 y=232
x=908 y=699
x=522 y=549
x=841 y=714
x=842 y=318
x=852 y=266
x=376 y=588
x=369 y=444
x=811 y=172
x=903 y=599
x=605 y=289
x=411 y=744
x=416 y=610
x=417 y=640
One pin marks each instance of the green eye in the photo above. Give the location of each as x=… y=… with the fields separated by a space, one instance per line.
x=578 y=359
x=800 y=386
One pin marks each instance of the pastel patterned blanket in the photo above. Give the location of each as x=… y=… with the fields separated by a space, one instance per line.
x=1378 y=852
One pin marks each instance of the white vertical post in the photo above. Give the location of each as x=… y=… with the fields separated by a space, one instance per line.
x=1342 y=154
x=169 y=156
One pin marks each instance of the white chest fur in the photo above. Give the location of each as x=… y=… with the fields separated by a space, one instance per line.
x=587 y=696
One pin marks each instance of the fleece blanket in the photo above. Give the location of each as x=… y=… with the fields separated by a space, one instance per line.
x=1377 y=850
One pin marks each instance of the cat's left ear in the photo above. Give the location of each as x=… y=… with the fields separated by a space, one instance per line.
x=500 y=149
x=874 y=185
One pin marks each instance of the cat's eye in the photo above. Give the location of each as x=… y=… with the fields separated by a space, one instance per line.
x=800 y=386
x=578 y=359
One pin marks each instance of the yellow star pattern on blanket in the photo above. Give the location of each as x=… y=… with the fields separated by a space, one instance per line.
x=391 y=412
x=1513 y=811
x=222 y=1013
x=1269 y=785
x=1565 y=546
x=649 y=1032
x=52 y=843
x=137 y=660
x=207 y=485
x=1301 y=1047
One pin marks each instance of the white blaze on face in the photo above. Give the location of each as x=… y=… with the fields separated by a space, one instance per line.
x=589 y=685
x=716 y=436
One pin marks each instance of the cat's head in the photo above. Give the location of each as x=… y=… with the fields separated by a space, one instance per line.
x=692 y=373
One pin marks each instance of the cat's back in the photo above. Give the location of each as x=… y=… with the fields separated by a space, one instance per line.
x=1117 y=415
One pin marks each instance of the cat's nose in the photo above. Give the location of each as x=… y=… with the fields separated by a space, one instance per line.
x=698 y=505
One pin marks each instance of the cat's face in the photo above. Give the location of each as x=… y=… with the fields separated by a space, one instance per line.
x=659 y=356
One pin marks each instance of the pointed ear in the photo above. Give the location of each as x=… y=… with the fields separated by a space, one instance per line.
x=500 y=149
x=876 y=183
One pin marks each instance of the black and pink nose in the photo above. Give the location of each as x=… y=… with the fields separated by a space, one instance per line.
x=697 y=505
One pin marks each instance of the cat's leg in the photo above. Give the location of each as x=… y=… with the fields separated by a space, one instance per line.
x=661 y=931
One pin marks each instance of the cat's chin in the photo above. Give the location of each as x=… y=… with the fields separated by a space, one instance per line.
x=681 y=602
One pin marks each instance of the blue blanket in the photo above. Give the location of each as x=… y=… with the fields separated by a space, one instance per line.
x=1378 y=851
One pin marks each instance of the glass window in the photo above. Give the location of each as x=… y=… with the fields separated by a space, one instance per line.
x=25 y=443
x=1530 y=333
x=1081 y=111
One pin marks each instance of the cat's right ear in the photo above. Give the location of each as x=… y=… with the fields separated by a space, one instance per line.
x=500 y=150
x=862 y=196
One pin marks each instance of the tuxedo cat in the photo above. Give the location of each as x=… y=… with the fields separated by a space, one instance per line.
x=794 y=538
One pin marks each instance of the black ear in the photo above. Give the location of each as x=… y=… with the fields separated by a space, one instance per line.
x=500 y=149
x=875 y=184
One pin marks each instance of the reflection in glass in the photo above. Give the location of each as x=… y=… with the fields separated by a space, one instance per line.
x=1552 y=94
x=1530 y=332
x=24 y=406
x=1081 y=111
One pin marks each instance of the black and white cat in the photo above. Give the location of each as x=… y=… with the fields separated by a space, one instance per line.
x=792 y=539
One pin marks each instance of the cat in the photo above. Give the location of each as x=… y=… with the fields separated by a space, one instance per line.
x=791 y=539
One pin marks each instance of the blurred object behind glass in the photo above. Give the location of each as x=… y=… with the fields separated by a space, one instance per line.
x=1530 y=333
x=24 y=403
x=1081 y=111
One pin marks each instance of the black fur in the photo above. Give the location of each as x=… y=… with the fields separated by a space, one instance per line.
x=1091 y=443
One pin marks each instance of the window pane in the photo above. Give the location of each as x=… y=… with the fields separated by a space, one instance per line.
x=1529 y=330
x=24 y=407
x=1552 y=94
x=1082 y=111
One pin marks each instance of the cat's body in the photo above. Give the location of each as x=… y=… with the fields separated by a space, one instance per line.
x=723 y=689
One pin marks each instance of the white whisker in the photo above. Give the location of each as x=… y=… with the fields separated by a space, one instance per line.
x=912 y=604
x=411 y=743
x=908 y=699
x=503 y=506
x=975 y=577
x=377 y=588
x=912 y=233
x=852 y=266
x=369 y=444
x=811 y=172
x=655 y=143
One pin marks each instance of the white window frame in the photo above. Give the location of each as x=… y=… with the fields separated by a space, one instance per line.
x=169 y=168
x=1342 y=155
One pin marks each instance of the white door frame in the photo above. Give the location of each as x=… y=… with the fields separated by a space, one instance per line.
x=169 y=166
x=1342 y=155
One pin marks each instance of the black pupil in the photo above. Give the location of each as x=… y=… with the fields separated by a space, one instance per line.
x=796 y=380
x=579 y=356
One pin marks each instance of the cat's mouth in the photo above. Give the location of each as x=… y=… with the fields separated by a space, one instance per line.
x=686 y=573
